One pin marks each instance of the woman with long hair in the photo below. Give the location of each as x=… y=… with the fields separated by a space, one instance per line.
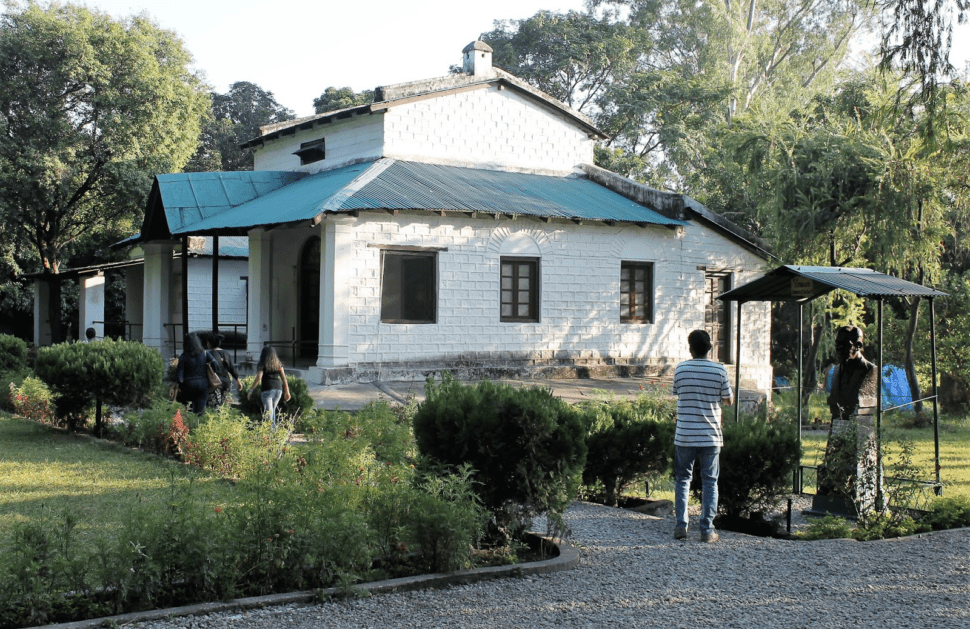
x=272 y=381
x=192 y=376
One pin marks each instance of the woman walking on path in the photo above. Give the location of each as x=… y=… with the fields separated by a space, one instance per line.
x=192 y=377
x=226 y=370
x=272 y=381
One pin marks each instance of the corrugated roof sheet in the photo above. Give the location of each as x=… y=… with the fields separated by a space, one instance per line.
x=805 y=283
x=389 y=184
x=191 y=198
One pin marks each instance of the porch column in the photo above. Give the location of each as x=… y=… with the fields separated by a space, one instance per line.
x=336 y=273
x=260 y=304
x=156 y=294
x=134 y=302
x=91 y=305
x=42 y=322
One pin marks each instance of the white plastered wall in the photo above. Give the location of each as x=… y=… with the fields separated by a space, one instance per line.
x=579 y=304
x=488 y=127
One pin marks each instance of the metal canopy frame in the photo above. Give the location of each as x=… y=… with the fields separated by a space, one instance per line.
x=804 y=284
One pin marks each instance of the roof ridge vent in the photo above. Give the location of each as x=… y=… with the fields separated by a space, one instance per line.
x=477 y=59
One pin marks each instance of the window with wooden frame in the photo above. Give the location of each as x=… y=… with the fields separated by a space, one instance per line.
x=636 y=292
x=520 y=290
x=409 y=286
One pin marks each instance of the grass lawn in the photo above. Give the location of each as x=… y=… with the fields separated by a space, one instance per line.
x=954 y=449
x=45 y=471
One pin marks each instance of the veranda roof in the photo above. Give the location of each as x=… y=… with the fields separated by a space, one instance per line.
x=197 y=203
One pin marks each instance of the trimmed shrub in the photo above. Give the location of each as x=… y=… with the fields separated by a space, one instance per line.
x=120 y=373
x=757 y=462
x=627 y=441
x=527 y=448
x=13 y=353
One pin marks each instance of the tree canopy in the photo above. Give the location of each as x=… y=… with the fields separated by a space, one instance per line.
x=90 y=109
x=236 y=117
x=334 y=98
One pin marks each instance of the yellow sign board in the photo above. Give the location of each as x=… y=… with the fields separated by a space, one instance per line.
x=802 y=287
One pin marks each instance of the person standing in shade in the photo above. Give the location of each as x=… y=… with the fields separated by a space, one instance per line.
x=192 y=376
x=701 y=386
x=272 y=381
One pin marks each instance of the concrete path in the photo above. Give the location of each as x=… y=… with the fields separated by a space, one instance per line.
x=351 y=397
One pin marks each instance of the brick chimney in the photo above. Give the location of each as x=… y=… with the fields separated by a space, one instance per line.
x=477 y=59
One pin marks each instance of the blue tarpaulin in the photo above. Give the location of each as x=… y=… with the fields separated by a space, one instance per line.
x=895 y=387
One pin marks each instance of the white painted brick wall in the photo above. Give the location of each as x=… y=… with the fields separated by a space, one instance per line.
x=346 y=141
x=232 y=292
x=579 y=306
x=486 y=127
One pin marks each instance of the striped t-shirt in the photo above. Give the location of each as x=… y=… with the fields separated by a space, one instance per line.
x=700 y=384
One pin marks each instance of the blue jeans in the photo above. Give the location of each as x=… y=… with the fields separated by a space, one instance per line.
x=270 y=398
x=684 y=459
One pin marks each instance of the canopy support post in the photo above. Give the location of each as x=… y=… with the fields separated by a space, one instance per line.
x=938 y=490
x=879 y=497
x=737 y=371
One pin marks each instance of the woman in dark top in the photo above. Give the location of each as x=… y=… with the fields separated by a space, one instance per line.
x=192 y=377
x=225 y=371
x=272 y=381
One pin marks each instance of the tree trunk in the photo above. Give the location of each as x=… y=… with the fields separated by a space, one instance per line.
x=911 y=362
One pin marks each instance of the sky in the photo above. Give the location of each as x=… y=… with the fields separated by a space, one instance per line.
x=297 y=48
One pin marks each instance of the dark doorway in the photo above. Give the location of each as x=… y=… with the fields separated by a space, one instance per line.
x=717 y=315
x=309 y=306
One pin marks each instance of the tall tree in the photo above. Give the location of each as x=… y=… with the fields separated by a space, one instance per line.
x=851 y=182
x=916 y=40
x=334 y=98
x=90 y=109
x=236 y=117
x=661 y=78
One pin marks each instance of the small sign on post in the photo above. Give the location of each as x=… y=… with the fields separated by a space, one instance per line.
x=802 y=287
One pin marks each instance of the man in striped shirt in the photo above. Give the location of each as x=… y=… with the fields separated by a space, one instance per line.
x=701 y=386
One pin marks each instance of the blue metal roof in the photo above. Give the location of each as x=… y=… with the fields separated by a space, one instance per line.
x=777 y=285
x=386 y=184
x=192 y=198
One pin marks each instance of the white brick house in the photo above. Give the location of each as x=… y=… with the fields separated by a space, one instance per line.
x=458 y=223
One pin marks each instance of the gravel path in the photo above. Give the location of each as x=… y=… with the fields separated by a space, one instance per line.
x=633 y=574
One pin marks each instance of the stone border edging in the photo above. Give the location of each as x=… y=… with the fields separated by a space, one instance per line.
x=568 y=558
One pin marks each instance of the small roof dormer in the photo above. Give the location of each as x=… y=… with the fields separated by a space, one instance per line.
x=477 y=59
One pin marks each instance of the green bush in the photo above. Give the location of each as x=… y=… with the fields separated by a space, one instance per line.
x=156 y=429
x=626 y=441
x=527 y=447
x=447 y=520
x=32 y=399
x=119 y=373
x=13 y=353
x=948 y=513
x=757 y=463
x=226 y=444
x=300 y=400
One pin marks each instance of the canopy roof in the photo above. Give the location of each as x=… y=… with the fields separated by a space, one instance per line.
x=805 y=283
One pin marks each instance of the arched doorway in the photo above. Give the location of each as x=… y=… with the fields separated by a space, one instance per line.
x=309 y=298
